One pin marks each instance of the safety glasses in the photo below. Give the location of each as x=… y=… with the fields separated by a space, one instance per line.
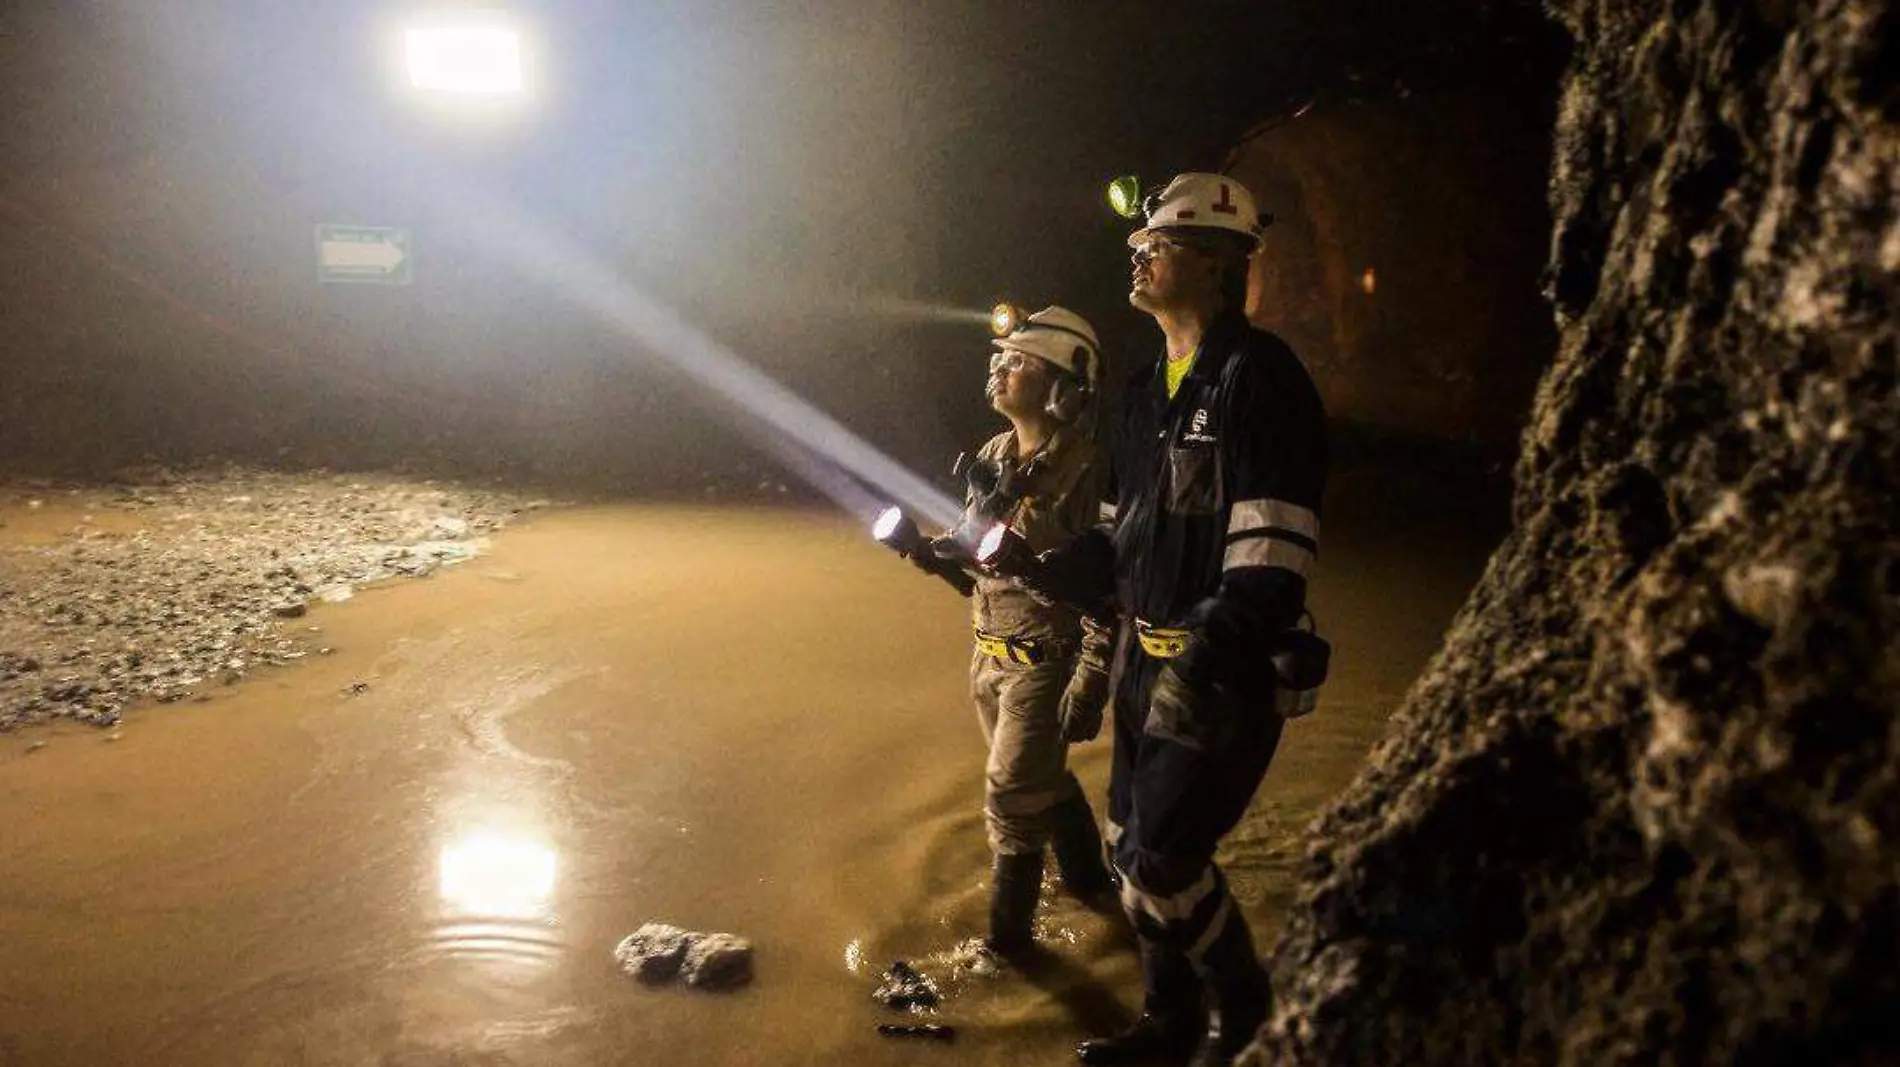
x=1156 y=244
x=1011 y=362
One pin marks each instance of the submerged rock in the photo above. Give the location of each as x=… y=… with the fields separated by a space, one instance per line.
x=718 y=961
x=906 y=987
x=660 y=952
x=654 y=952
x=932 y=1031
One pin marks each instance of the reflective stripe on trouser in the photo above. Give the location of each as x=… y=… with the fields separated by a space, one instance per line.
x=1187 y=923
x=1027 y=772
x=1173 y=804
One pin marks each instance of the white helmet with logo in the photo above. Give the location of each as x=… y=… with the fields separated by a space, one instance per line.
x=1209 y=201
x=1060 y=336
x=1066 y=341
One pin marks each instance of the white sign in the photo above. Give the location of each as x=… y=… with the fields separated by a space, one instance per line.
x=378 y=255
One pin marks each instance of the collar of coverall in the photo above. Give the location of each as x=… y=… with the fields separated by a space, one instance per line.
x=1227 y=325
x=1054 y=447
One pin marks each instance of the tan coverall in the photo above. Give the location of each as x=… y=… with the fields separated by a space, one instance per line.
x=1027 y=773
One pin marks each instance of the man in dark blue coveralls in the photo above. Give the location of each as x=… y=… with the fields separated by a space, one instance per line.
x=1217 y=467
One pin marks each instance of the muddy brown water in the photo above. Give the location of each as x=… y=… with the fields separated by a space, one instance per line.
x=422 y=849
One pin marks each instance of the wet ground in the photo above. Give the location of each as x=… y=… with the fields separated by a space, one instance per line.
x=422 y=849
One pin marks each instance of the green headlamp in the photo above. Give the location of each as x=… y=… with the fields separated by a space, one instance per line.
x=1124 y=196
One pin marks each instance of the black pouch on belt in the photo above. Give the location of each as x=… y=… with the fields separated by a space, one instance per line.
x=1300 y=662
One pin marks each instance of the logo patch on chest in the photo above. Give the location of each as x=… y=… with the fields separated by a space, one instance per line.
x=1197 y=430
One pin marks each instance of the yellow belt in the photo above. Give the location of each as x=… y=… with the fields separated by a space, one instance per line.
x=1161 y=642
x=1024 y=650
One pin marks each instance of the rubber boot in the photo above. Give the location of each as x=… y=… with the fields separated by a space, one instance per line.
x=1015 y=885
x=1172 y=1021
x=1077 y=843
x=1240 y=992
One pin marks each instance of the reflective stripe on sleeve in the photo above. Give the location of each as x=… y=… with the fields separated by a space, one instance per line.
x=1265 y=550
x=1250 y=515
x=1272 y=533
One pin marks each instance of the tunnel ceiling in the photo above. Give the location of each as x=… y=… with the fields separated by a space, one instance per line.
x=163 y=169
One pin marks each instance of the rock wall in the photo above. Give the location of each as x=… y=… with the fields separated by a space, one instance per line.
x=1403 y=262
x=1644 y=806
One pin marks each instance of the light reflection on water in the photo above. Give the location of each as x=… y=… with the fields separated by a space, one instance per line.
x=490 y=874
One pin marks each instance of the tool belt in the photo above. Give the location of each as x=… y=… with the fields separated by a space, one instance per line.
x=1028 y=651
x=1300 y=661
x=1161 y=642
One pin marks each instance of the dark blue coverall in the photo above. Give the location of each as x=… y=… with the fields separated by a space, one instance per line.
x=1214 y=509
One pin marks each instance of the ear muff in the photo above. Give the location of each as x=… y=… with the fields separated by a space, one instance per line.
x=1069 y=394
x=1067 y=398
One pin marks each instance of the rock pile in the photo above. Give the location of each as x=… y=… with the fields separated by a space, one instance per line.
x=200 y=592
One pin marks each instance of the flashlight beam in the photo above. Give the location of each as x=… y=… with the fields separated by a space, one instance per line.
x=811 y=444
x=921 y=310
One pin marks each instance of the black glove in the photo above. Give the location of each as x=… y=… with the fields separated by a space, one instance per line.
x=1181 y=705
x=930 y=555
x=1080 y=711
x=1080 y=572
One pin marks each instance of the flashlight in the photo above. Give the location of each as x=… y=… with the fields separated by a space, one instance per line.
x=1083 y=578
x=1005 y=319
x=1004 y=551
x=899 y=533
x=1124 y=196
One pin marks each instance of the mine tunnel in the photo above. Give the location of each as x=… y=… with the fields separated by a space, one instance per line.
x=444 y=454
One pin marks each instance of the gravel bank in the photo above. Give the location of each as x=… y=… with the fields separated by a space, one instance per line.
x=111 y=595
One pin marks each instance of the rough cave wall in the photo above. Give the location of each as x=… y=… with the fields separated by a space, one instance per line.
x=1644 y=806
x=1403 y=262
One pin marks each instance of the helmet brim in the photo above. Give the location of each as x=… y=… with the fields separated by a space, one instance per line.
x=1135 y=239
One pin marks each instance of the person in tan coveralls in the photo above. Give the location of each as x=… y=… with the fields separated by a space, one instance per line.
x=1039 y=672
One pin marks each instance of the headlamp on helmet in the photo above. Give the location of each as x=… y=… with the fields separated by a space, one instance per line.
x=1006 y=318
x=1057 y=336
x=1062 y=339
x=1206 y=202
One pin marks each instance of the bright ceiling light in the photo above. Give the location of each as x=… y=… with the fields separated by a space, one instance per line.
x=469 y=60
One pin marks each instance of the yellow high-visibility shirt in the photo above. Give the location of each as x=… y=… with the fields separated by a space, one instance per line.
x=1178 y=372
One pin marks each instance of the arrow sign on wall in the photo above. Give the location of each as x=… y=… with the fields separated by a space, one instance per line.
x=378 y=255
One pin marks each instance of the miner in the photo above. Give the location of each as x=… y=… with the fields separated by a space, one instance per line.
x=1217 y=462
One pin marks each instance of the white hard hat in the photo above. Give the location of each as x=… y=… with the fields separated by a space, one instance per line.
x=1060 y=336
x=1209 y=201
